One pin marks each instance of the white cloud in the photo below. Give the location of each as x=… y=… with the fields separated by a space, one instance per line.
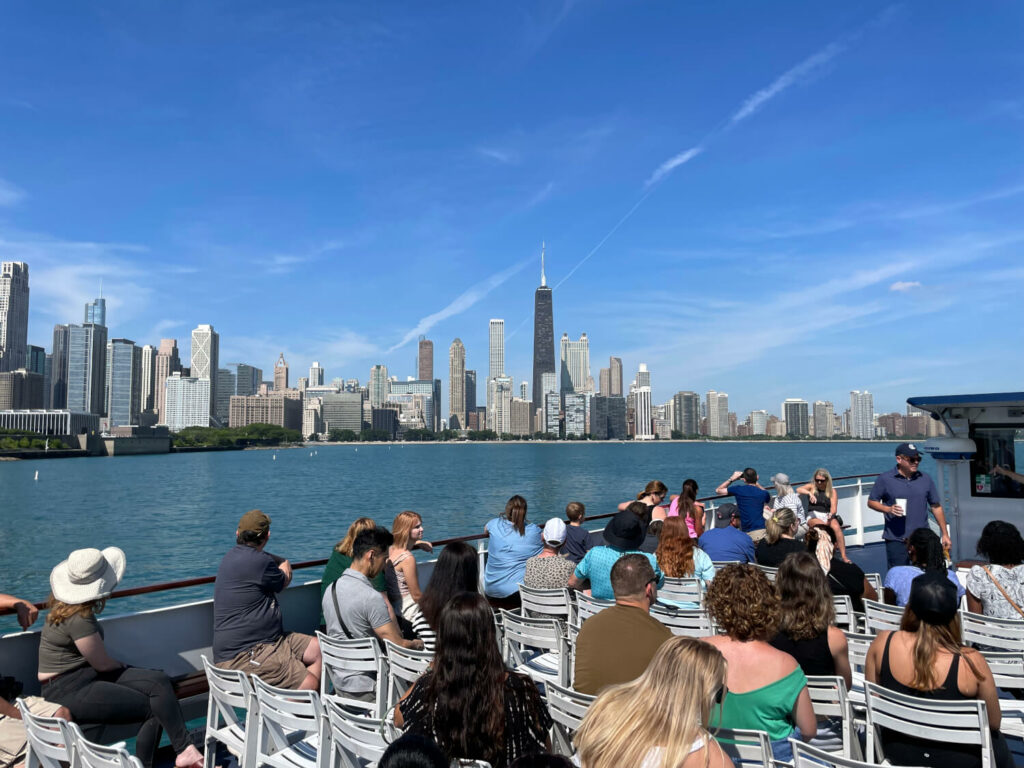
x=791 y=77
x=672 y=163
x=904 y=286
x=505 y=157
x=541 y=195
x=10 y=194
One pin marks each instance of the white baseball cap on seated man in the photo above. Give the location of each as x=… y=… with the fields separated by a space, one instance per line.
x=87 y=575
x=554 y=532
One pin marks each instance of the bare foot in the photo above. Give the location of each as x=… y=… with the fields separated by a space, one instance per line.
x=190 y=757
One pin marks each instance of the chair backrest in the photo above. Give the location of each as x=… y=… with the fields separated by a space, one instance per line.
x=230 y=691
x=567 y=708
x=404 y=668
x=806 y=756
x=875 y=580
x=283 y=716
x=768 y=571
x=945 y=721
x=857 y=649
x=845 y=617
x=746 y=748
x=1007 y=668
x=555 y=603
x=363 y=656
x=87 y=754
x=587 y=606
x=685 y=622
x=831 y=699
x=545 y=634
x=879 y=617
x=683 y=590
x=989 y=632
x=722 y=563
x=353 y=738
x=49 y=739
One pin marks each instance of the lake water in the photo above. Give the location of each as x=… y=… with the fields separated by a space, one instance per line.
x=175 y=515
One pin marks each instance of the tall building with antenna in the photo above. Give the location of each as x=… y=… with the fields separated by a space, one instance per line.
x=543 y=336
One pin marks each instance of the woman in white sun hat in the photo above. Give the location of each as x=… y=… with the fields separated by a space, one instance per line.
x=77 y=672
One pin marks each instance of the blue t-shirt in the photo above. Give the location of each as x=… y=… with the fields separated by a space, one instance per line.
x=245 y=609
x=921 y=494
x=899 y=579
x=577 y=542
x=750 y=501
x=597 y=564
x=727 y=543
x=507 y=553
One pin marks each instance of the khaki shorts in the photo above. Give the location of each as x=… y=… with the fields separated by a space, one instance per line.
x=12 y=731
x=757 y=535
x=279 y=663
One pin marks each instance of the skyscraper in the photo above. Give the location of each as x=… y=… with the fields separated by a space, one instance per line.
x=604 y=382
x=718 y=413
x=13 y=315
x=379 y=386
x=795 y=413
x=316 y=375
x=470 y=392
x=758 y=422
x=686 y=413
x=499 y=393
x=644 y=425
x=147 y=362
x=87 y=359
x=205 y=360
x=96 y=311
x=543 y=336
x=862 y=414
x=575 y=364
x=124 y=382
x=166 y=363
x=615 y=375
x=425 y=359
x=248 y=378
x=187 y=401
x=280 y=374
x=824 y=419
x=59 y=368
x=497 y=349
x=457 y=385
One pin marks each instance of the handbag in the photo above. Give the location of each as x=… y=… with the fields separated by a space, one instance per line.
x=1000 y=588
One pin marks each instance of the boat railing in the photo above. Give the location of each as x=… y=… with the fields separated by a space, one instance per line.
x=858 y=489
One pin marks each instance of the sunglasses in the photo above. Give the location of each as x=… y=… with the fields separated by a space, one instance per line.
x=912 y=460
x=821 y=480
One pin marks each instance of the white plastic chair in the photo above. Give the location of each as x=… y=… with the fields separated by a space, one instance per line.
x=49 y=739
x=845 y=617
x=230 y=691
x=685 y=622
x=722 y=563
x=746 y=748
x=682 y=590
x=857 y=645
x=290 y=727
x=875 y=580
x=567 y=708
x=404 y=668
x=768 y=571
x=832 y=700
x=587 y=606
x=363 y=656
x=354 y=740
x=939 y=720
x=553 y=603
x=1008 y=673
x=536 y=647
x=87 y=754
x=992 y=633
x=806 y=756
x=879 y=617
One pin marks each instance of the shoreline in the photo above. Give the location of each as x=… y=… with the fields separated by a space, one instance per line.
x=402 y=443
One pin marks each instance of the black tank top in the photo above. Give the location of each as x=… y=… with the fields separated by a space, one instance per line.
x=813 y=654
x=822 y=505
x=949 y=689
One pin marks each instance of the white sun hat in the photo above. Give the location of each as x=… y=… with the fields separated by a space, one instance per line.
x=87 y=574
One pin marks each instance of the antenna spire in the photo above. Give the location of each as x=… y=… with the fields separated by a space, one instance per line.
x=543 y=279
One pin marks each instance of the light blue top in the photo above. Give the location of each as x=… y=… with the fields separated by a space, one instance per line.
x=507 y=553
x=899 y=579
x=597 y=564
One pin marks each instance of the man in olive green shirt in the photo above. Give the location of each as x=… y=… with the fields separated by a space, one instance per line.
x=617 y=644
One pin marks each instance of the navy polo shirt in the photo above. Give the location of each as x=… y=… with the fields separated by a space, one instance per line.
x=750 y=501
x=921 y=494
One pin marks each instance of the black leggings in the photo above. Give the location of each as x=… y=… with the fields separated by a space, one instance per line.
x=129 y=695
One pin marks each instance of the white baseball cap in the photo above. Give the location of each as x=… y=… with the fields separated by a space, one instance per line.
x=554 y=532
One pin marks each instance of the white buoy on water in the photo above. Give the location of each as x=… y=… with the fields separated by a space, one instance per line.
x=37 y=474
x=275 y=457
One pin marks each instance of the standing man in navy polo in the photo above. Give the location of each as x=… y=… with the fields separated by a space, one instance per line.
x=906 y=482
x=751 y=499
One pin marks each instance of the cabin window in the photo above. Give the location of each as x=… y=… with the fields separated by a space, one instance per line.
x=996 y=446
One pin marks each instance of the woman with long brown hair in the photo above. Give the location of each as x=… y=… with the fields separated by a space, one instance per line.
x=924 y=658
x=685 y=505
x=468 y=701
x=678 y=554
x=652 y=496
x=511 y=542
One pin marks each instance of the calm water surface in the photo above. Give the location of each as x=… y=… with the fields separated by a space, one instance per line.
x=175 y=515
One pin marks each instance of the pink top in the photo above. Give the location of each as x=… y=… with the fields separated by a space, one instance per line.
x=673 y=511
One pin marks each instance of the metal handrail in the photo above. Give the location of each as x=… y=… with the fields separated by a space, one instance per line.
x=202 y=580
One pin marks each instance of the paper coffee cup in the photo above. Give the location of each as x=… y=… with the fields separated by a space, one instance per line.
x=902 y=504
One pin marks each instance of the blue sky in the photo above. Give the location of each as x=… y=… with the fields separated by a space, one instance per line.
x=769 y=199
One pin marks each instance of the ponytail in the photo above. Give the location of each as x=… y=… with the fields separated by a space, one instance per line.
x=780 y=522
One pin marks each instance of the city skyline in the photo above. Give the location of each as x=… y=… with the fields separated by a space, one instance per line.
x=724 y=204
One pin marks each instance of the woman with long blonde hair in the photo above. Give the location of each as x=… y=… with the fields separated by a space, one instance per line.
x=408 y=532
x=678 y=554
x=822 y=506
x=341 y=557
x=660 y=719
x=780 y=538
